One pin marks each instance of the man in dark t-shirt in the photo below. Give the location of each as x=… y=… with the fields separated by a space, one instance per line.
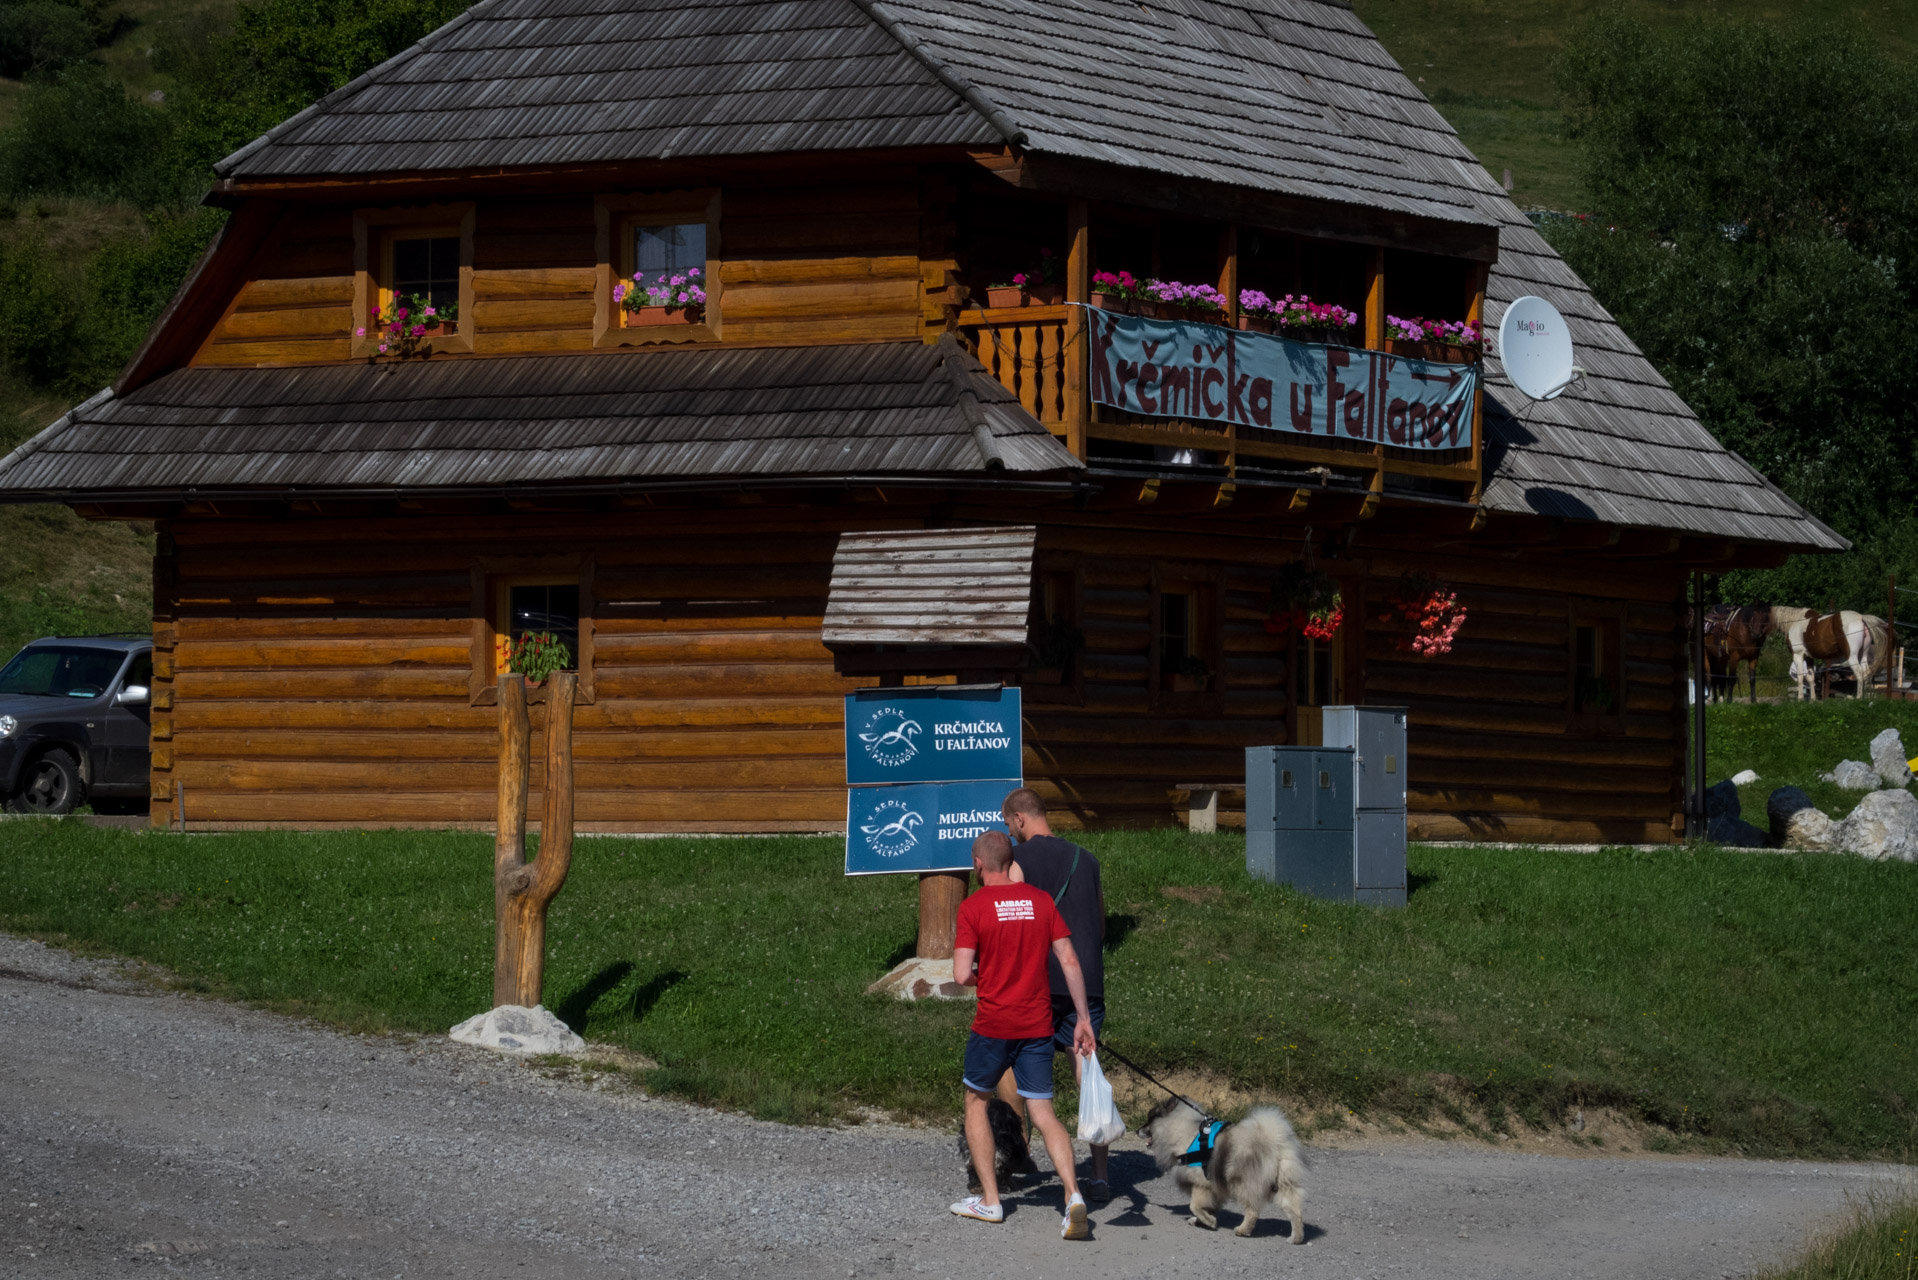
x=1069 y=875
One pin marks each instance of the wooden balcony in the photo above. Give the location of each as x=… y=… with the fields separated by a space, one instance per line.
x=1039 y=354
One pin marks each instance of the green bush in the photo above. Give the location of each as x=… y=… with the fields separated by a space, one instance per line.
x=80 y=134
x=1757 y=187
x=42 y=35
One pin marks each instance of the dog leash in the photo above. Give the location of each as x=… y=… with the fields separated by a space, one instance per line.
x=1206 y=1117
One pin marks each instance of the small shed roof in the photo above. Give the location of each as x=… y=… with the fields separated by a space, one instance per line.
x=931 y=587
x=878 y=410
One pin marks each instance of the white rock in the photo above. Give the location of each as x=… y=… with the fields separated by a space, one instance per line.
x=1744 y=777
x=513 y=1028
x=1884 y=825
x=1796 y=823
x=922 y=979
x=1853 y=775
x=1889 y=759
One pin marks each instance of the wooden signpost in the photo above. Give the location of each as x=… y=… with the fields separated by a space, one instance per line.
x=521 y=890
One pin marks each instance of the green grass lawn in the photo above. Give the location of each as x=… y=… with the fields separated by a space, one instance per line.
x=1754 y=1002
x=1788 y=744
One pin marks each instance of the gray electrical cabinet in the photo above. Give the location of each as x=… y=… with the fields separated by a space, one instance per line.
x=1377 y=738
x=1330 y=820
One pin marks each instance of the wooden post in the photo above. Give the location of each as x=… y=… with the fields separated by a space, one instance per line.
x=1077 y=349
x=1475 y=312
x=1695 y=811
x=522 y=891
x=940 y=893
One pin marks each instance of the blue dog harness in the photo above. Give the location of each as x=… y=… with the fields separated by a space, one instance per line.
x=1201 y=1149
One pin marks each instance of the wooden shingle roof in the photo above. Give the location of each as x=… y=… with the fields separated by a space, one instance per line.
x=969 y=586
x=1290 y=96
x=878 y=411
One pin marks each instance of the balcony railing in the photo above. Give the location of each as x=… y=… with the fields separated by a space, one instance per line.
x=1032 y=350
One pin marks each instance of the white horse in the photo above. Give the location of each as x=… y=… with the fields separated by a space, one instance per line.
x=1867 y=644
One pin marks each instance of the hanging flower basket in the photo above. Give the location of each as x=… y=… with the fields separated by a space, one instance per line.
x=1429 y=610
x=1306 y=598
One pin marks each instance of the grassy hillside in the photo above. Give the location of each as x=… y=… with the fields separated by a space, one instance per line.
x=1487 y=65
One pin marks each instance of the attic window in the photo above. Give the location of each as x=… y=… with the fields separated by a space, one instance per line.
x=420 y=254
x=427 y=267
x=659 y=261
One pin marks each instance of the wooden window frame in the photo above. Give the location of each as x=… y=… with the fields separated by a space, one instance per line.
x=1203 y=584
x=491 y=575
x=373 y=235
x=1072 y=569
x=1610 y=623
x=613 y=220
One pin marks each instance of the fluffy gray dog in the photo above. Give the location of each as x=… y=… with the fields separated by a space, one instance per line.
x=1254 y=1163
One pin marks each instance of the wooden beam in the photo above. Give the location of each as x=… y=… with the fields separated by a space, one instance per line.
x=1078 y=408
x=1375 y=301
x=1219 y=201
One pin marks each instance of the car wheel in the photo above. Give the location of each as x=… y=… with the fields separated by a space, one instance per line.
x=50 y=786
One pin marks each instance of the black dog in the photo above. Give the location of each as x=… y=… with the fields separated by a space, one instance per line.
x=1009 y=1149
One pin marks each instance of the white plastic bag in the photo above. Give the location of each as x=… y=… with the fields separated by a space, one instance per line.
x=1099 y=1120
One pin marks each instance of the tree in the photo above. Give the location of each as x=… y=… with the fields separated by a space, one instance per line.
x=1757 y=188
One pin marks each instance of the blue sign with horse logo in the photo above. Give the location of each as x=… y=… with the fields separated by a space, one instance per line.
x=932 y=733
x=924 y=827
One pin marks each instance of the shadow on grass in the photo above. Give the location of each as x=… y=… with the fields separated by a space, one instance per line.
x=1118 y=929
x=1416 y=883
x=649 y=995
x=575 y=1007
x=902 y=953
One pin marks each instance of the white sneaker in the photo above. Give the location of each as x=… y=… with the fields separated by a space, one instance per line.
x=1075 y=1225
x=974 y=1207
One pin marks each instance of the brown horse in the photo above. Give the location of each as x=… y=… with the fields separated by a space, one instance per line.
x=1734 y=634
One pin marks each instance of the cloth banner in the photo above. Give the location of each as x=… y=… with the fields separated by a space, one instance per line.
x=1205 y=372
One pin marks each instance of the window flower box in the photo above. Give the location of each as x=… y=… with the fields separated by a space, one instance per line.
x=1113 y=302
x=1451 y=341
x=665 y=315
x=673 y=298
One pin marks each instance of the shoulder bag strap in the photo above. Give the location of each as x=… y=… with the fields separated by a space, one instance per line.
x=1059 y=897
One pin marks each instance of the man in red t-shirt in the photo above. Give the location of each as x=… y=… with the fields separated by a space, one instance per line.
x=1010 y=929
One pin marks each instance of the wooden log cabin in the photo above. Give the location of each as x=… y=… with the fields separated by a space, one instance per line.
x=345 y=532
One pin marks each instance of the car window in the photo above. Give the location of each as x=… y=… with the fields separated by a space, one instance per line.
x=140 y=671
x=60 y=671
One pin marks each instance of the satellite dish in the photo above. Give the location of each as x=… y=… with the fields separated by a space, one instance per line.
x=1535 y=344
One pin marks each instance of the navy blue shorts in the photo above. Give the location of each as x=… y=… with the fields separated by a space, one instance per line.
x=1065 y=1020
x=1031 y=1061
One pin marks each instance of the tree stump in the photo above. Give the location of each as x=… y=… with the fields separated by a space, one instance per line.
x=521 y=890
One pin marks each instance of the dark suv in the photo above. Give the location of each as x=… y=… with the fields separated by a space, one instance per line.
x=74 y=723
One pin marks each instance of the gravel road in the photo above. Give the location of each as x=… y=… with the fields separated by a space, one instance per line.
x=145 y=1131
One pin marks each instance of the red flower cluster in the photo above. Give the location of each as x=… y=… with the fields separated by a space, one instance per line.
x=1313 y=624
x=1431 y=613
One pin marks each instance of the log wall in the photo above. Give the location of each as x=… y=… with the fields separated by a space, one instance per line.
x=813 y=263
x=295 y=685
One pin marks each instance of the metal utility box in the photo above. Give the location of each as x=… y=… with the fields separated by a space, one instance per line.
x=1377 y=737
x=1298 y=789
x=1330 y=820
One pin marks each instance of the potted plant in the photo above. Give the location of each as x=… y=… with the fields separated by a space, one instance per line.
x=539 y=654
x=1592 y=695
x=1452 y=341
x=1117 y=291
x=1038 y=284
x=408 y=325
x=671 y=297
x=1255 y=311
x=1188 y=675
x=1429 y=610
x=1305 y=597
x=1300 y=318
x=1053 y=646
